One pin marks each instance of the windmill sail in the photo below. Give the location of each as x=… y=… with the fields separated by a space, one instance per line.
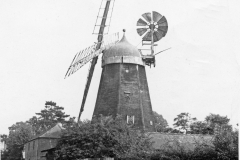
x=87 y=54
x=94 y=60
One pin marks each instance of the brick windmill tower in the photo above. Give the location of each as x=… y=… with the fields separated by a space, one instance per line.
x=123 y=88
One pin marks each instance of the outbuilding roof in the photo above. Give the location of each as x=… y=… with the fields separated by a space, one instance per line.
x=54 y=132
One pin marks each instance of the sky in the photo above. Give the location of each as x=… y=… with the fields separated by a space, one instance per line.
x=200 y=74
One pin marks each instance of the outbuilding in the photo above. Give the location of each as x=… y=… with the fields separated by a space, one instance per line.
x=48 y=140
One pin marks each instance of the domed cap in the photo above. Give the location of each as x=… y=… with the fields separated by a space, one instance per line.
x=122 y=52
x=122 y=48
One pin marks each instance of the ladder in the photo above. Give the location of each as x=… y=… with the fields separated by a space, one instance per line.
x=148 y=59
x=101 y=27
x=100 y=16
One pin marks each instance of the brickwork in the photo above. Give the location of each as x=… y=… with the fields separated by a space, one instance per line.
x=123 y=90
x=145 y=96
x=123 y=86
x=107 y=98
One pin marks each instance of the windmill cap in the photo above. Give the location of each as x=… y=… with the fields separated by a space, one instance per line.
x=122 y=52
x=122 y=48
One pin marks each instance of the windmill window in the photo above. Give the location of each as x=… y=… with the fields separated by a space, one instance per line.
x=126 y=68
x=33 y=144
x=151 y=123
x=130 y=119
x=127 y=96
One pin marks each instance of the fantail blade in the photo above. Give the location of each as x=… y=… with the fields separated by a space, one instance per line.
x=147 y=16
x=163 y=19
x=141 y=31
x=156 y=16
x=157 y=36
x=141 y=22
x=147 y=37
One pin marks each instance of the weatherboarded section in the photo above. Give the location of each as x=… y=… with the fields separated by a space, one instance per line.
x=48 y=140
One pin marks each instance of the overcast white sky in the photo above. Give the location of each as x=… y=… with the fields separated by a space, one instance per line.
x=39 y=38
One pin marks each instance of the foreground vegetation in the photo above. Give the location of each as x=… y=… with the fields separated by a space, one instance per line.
x=223 y=146
x=103 y=137
x=108 y=137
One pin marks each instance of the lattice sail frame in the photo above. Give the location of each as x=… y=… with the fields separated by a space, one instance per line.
x=87 y=54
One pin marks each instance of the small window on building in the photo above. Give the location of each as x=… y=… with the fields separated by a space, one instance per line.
x=126 y=68
x=33 y=144
x=130 y=119
x=151 y=123
x=127 y=96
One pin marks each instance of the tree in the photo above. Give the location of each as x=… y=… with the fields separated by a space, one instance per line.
x=215 y=122
x=48 y=117
x=3 y=138
x=103 y=137
x=226 y=144
x=217 y=119
x=160 y=123
x=4 y=153
x=199 y=127
x=183 y=121
x=19 y=134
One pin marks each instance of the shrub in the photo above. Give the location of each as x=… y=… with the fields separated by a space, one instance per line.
x=226 y=144
x=108 y=137
x=103 y=137
x=223 y=146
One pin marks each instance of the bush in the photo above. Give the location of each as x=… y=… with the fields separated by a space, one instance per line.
x=108 y=137
x=103 y=137
x=226 y=144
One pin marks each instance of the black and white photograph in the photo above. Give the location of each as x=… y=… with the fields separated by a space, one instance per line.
x=119 y=79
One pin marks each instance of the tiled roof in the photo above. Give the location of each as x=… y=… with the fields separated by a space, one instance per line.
x=54 y=132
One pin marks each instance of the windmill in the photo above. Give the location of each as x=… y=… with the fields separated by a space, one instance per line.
x=123 y=87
